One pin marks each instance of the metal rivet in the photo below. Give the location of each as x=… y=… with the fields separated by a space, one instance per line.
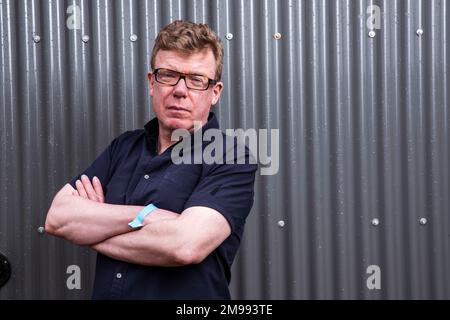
x=229 y=36
x=423 y=221
x=277 y=36
x=119 y=275
x=133 y=37
x=281 y=223
x=146 y=177
x=372 y=33
x=419 y=32
x=36 y=38
x=41 y=230
x=375 y=222
x=85 y=38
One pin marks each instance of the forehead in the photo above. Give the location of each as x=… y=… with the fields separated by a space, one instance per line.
x=200 y=62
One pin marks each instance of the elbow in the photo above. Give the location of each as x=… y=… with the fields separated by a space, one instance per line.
x=54 y=222
x=187 y=255
x=51 y=224
x=55 y=228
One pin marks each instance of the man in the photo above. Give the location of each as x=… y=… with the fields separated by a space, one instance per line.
x=162 y=230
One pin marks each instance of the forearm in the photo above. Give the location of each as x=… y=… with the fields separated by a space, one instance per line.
x=158 y=243
x=177 y=239
x=86 y=222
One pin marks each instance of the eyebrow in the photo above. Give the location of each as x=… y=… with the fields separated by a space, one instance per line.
x=194 y=74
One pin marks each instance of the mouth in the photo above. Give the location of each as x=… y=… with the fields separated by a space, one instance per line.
x=177 y=109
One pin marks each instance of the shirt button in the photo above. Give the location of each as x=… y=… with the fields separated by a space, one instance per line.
x=119 y=275
x=146 y=177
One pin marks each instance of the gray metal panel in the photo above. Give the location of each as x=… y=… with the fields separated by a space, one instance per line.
x=364 y=129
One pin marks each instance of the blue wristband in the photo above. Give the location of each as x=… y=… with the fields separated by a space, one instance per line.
x=137 y=222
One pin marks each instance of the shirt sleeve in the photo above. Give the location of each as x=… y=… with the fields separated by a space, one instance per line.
x=228 y=189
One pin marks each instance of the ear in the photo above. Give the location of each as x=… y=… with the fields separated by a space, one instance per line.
x=217 y=90
x=151 y=82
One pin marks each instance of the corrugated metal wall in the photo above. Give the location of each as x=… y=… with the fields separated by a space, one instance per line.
x=360 y=98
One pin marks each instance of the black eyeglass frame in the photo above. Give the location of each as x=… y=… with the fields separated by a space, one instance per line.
x=183 y=76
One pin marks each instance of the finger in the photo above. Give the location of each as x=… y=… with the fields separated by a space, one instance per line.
x=80 y=189
x=98 y=189
x=88 y=187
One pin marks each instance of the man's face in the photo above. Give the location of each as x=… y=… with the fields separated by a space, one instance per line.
x=177 y=106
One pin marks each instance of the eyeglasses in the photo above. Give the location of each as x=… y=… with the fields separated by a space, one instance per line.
x=193 y=81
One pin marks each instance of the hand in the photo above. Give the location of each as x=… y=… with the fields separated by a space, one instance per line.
x=92 y=191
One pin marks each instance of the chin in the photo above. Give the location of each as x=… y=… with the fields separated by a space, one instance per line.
x=176 y=123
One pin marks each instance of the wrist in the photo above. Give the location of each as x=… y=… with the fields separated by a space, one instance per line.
x=138 y=222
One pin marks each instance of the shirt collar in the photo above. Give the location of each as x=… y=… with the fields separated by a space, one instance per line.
x=151 y=128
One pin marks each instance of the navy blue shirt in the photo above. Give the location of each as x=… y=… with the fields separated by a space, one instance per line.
x=132 y=173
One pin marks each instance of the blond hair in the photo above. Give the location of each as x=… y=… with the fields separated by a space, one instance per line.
x=188 y=37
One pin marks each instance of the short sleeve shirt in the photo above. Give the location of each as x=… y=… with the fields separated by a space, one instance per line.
x=132 y=173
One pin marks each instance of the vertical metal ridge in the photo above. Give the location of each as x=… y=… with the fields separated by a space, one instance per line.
x=365 y=144
x=322 y=153
x=411 y=136
x=3 y=125
x=391 y=147
x=300 y=212
x=361 y=222
x=346 y=211
x=8 y=87
x=431 y=124
x=265 y=102
x=422 y=155
x=288 y=27
x=311 y=100
x=19 y=136
x=278 y=208
x=397 y=263
x=445 y=12
x=335 y=110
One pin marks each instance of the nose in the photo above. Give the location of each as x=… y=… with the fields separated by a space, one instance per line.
x=180 y=90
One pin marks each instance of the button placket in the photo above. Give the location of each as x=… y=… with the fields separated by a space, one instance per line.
x=117 y=283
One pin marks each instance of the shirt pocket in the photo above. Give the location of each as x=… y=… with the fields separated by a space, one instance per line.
x=176 y=187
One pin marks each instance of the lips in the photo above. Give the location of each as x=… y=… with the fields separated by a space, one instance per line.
x=178 y=108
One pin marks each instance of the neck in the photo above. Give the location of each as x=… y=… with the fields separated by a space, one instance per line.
x=164 y=141
x=165 y=137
